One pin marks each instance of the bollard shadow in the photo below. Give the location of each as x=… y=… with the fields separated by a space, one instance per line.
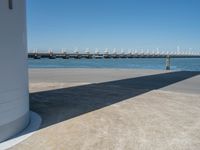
x=58 y=105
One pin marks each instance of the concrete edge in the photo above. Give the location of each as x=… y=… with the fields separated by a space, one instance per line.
x=14 y=127
x=35 y=122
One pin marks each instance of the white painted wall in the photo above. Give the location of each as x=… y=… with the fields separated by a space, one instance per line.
x=14 y=102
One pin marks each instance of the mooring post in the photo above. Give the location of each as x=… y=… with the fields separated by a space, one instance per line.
x=168 y=62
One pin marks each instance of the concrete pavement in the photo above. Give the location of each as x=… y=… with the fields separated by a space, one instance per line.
x=115 y=109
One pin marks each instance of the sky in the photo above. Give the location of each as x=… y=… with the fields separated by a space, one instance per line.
x=121 y=24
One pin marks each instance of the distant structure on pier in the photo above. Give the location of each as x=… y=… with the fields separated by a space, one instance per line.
x=106 y=54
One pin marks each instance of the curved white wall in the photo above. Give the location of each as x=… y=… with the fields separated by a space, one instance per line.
x=14 y=103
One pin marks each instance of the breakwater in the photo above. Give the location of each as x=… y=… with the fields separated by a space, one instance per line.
x=106 y=55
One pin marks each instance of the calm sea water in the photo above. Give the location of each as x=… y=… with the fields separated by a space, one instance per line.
x=190 y=64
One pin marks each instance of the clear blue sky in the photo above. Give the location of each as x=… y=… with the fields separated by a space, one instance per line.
x=127 y=24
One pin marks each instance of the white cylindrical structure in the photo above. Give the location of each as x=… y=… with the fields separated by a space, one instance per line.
x=14 y=101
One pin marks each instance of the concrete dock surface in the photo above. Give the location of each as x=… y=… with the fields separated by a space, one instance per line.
x=114 y=109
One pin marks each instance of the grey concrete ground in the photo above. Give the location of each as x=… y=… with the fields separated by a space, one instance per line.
x=115 y=109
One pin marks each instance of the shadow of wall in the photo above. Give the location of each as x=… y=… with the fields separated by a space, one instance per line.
x=58 y=105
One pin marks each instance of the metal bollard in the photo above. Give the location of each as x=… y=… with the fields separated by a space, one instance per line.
x=168 y=63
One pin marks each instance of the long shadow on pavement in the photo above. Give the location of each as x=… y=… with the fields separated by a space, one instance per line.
x=58 y=105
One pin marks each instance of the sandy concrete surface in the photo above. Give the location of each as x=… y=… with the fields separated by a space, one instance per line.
x=115 y=109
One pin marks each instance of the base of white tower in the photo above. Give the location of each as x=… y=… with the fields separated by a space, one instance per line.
x=33 y=126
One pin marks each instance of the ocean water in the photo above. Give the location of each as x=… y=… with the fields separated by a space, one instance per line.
x=188 y=64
